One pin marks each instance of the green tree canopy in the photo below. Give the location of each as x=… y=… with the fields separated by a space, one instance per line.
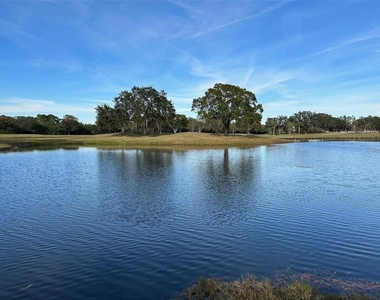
x=140 y=109
x=69 y=124
x=106 y=119
x=225 y=103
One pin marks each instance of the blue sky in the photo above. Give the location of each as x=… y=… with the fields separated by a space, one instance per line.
x=66 y=57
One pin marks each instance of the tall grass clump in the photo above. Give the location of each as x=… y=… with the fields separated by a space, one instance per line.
x=249 y=288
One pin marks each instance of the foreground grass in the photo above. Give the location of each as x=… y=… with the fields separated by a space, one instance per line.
x=249 y=288
x=182 y=140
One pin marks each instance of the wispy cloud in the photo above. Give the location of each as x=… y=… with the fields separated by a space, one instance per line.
x=68 y=66
x=352 y=100
x=291 y=56
x=14 y=32
x=349 y=42
x=191 y=10
x=260 y=13
x=197 y=68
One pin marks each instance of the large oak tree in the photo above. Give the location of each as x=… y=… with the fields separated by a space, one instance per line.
x=225 y=103
x=140 y=109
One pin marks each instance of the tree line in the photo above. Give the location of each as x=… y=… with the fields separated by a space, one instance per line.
x=45 y=124
x=224 y=108
x=312 y=122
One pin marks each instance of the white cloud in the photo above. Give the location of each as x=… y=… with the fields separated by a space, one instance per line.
x=25 y=106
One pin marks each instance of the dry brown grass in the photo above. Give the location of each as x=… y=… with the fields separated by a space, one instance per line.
x=5 y=146
x=333 y=136
x=187 y=139
x=180 y=140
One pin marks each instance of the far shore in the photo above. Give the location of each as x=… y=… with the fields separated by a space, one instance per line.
x=9 y=142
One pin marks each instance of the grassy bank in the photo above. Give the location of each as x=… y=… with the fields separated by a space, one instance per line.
x=5 y=146
x=249 y=288
x=332 y=136
x=187 y=139
x=183 y=140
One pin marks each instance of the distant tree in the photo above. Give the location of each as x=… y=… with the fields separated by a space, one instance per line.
x=50 y=123
x=376 y=123
x=224 y=103
x=86 y=129
x=194 y=125
x=69 y=124
x=49 y=119
x=177 y=122
x=348 y=122
x=278 y=123
x=44 y=124
x=106 y=119
x=26 y=124
x=289 y=126
x=271 y=124
x=324 y=122
x=303 y=119
x=250 y=118
x=281 y=120
x=360 y=124
x=312 y=122
x=299 y=125
x=369 y=123
x=8 y=125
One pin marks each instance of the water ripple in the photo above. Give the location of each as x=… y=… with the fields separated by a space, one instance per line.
x=140 y=224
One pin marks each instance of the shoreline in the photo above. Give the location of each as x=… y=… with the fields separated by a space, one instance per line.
x=186 y=140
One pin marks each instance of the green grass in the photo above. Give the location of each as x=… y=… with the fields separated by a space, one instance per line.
x=249 y=288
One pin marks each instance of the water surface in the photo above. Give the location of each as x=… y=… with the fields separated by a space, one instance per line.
x=144 y=224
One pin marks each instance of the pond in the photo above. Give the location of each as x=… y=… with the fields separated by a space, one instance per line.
x=145 y=224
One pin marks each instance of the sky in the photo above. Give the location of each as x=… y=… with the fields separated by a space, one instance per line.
x=66 y=57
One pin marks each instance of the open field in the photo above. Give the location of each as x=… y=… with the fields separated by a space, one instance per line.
x=181 y=140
